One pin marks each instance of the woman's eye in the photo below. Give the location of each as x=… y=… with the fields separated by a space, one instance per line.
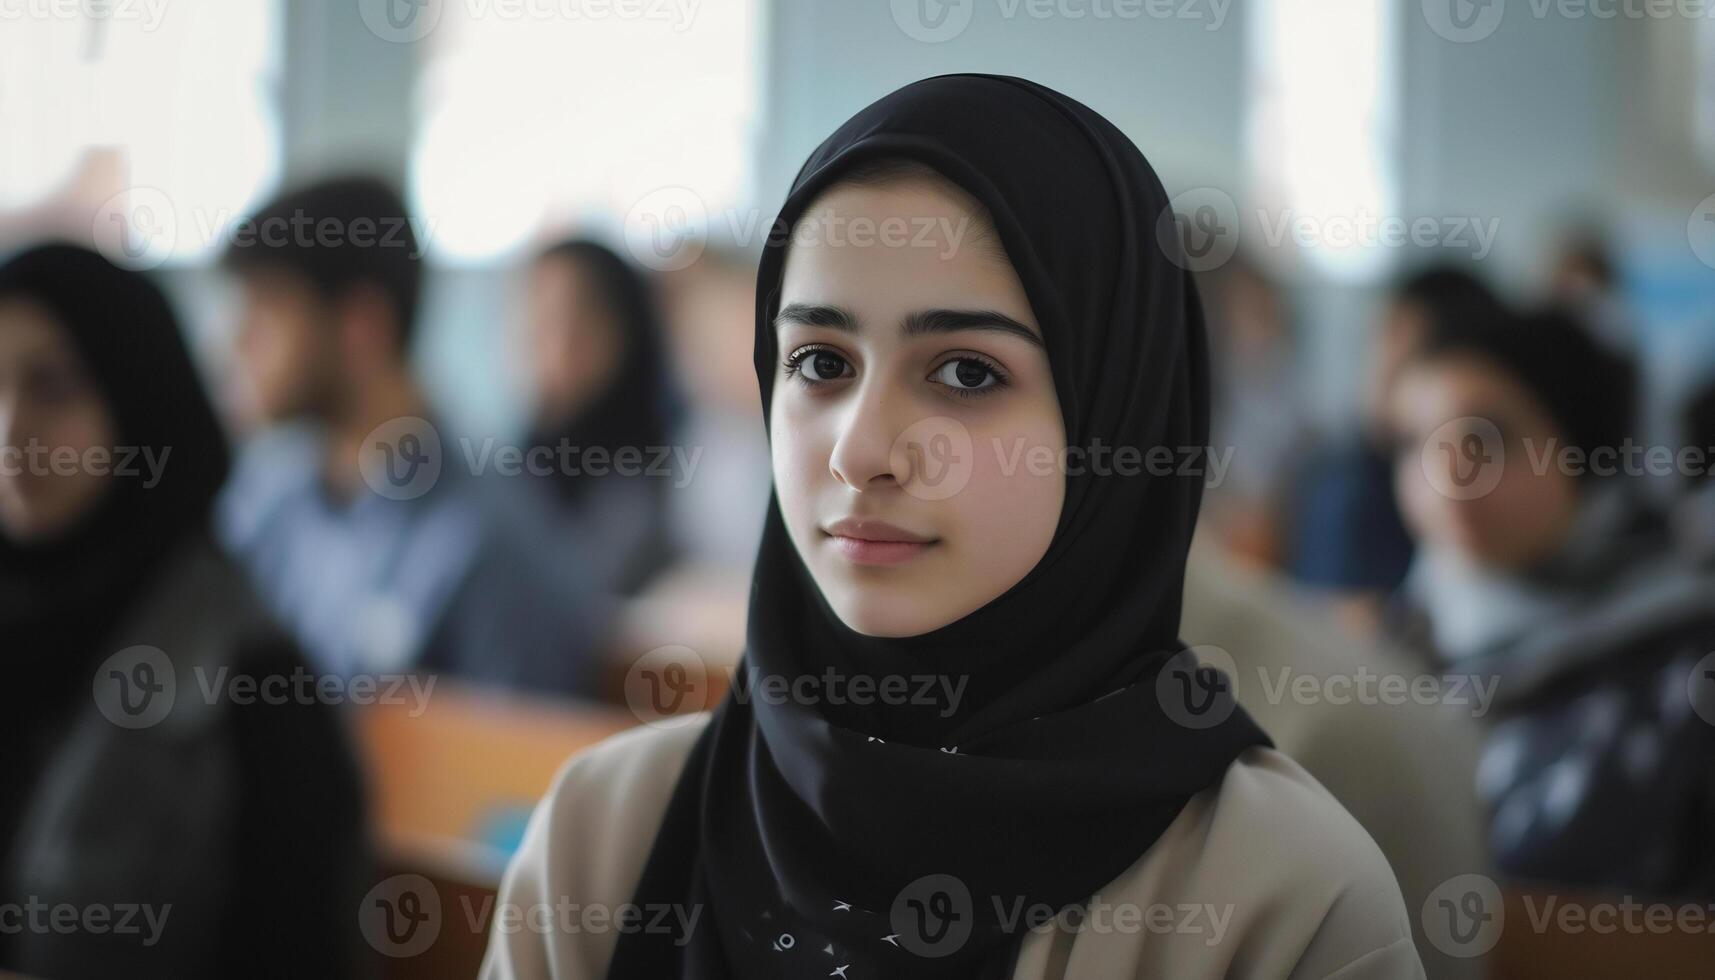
x=815 y=365
x=967 y=375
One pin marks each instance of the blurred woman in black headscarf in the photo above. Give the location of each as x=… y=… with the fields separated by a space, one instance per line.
x=964 y=711
x=230 y=829
x=1545 y=577
x=602 y=403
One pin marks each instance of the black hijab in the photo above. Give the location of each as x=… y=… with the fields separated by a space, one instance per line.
x=809 y=834
x=631 y=409
x=60 y=597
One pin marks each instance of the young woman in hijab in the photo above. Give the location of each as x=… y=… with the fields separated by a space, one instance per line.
x=1045 y=752
x=600 y=383
x=1543 y=576
x=230 y=828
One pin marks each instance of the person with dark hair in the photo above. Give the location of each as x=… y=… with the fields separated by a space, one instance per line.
x=1060 y=754
x=1541 y=574
x=232 y=828
x=1349 y=538
x=361 y=519
x=601 y=383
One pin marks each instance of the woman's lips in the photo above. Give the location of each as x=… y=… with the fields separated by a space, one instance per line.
x=864 y=552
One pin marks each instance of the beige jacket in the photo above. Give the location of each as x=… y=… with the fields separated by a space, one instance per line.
x=1263 y=876
x=1403 y=767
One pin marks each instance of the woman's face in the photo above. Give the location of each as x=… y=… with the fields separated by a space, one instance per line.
x=51 y=418
x=1469 y=435
x=913 y=400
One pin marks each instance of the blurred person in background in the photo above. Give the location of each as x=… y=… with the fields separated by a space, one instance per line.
x=1348 y=537
x=237 y=825
x=1258 y=412
x=715 y=520
x=1402 y=767
x=1584 y=278
x=600 y=384
x=377 y=567
x=1550 y=579
x=1693 y=513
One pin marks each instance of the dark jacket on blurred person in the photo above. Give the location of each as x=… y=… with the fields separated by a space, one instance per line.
x=1598 y=764
x=190 y=831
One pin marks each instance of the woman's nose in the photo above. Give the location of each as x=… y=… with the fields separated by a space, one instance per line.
x=863 y=457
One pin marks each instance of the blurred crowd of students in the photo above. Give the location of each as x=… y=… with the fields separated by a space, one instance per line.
x=1585 y=599
x=1505 y=512
x=245 y=818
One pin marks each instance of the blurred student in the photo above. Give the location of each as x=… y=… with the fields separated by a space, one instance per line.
x=1541 y=573
x=226 y=832
x=1349 y=539
x=380 y=552
x=601 y=401
x=715 y=518
x=1258 y=411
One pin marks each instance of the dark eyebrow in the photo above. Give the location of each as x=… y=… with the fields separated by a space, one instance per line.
x=916 y=324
